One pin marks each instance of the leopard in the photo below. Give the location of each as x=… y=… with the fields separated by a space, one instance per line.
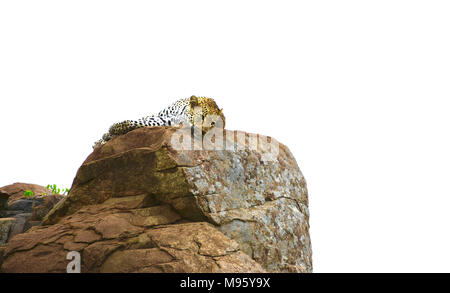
x=191 y=112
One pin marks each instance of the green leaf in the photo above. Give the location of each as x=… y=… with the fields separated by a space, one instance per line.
x=28 y=193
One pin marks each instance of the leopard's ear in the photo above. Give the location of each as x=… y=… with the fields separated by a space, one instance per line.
x=193 y=100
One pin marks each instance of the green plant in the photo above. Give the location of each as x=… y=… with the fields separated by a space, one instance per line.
x=28 y=193
x=56 y=190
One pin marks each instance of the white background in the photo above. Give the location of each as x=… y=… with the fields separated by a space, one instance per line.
x=358 y=90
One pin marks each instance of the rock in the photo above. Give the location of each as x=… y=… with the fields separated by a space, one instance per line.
x=21 y=224
x=2 y=249
x=5 y=228
x=116 y=237
x=46 y=203
x=199 y=246
x=17 y=189
x=137 y=204
x=27 y=211
x=3 y=199
x=25 y=205
x=10 y=214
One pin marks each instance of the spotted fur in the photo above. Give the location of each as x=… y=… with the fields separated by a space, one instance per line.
x=186 y=111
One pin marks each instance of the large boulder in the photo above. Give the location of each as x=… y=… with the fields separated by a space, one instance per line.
x=139 y=204
x=4 y=196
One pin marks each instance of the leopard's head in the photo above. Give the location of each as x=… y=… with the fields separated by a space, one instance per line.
x=205 y=110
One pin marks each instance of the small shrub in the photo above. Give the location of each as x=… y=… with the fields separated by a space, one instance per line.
x=56 y=190
x=28 y=193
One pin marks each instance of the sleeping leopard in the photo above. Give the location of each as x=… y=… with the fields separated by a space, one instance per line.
x=183 y=112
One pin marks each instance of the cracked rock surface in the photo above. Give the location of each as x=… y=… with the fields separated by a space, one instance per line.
x=19 y=213
x=139 y=205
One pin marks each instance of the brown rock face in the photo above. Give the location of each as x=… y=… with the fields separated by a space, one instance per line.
x=3 y=199
x=5 y=228
x=48 y=202
x=17 y=189
x=138 y=204
x=24 y=212
x=114 y=240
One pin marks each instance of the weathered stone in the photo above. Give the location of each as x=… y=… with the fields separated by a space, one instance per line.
x=154 y=216
x=135 y=260
x=42 y=258
x=5 y=228
x=20 y=225
x=115 y=226
x=30 y=224
x=134 y=173
x=16 y=191
x=2 y=250
x=24 y=205
x=28 y=211
x=132 y=203
x=87 y=236
x=45 y=204
x=181 y=248
x=10 y=214
x=129 y=202
x=3 y=199
x=188 y=247
x=36 y=235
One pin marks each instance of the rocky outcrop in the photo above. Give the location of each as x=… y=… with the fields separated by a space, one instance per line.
x=117 y=236
x=15 y=191
x=21 y=213
x=5 y=228
x=138 y=204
